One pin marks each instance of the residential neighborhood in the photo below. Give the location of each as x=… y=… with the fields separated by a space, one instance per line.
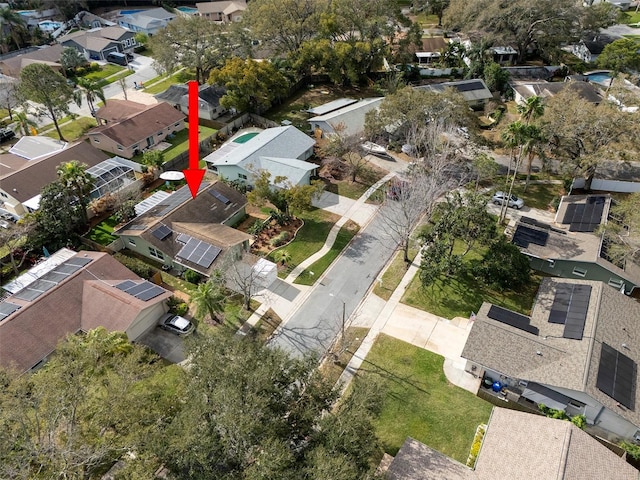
x=346 y=239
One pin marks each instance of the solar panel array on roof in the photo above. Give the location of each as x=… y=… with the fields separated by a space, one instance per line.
x=174 y=200
x=199 y=252
x=162 y=232
x=521 y=322
x=577 y=312
x=52 y=278
x=143 y=290
x=524 y=236
x=468 y=86
x=616 y=376
x=219 y=196
x=584 y=217
x=7 y=308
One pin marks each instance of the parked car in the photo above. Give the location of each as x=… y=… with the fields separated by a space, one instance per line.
x=4 y=224
x=8 y=217
x=6 y=134
x=515 y=202
x=176 y=324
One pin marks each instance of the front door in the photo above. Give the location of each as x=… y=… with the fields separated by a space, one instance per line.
x=150 y=141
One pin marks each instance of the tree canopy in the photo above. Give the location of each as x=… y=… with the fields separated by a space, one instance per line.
x=283 y=195
x=622 y=55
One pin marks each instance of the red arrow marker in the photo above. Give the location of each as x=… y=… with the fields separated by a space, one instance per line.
x=193 y=174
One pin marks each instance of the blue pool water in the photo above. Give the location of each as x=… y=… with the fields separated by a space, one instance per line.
x=26 y=13
x=245 y=137
x=49 y=26
x=190 y=10
x=599 y=77
x=129 y=12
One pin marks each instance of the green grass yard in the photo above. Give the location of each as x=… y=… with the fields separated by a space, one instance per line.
x=103 y=232
x=419 y=401
x=630 y=17
x=310 y=238
x=393 y=275
x=74 y=129
x=160 y=83
x=346 y=233
x=462 y=294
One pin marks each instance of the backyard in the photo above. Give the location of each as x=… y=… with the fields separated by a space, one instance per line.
x=73 y=129
x=103 y=232
x=461 y=294
x=418 y=400
x=180 y=143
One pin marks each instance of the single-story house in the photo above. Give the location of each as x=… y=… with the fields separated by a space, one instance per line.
x=68 y=293
x=430 y=50
x=97 y=43
x=282 y=151
x=505 y=55
x=26 y=170
x=12 y=65
x=137 y=132
x=146 y=21
x=182 y=232
x=116 y=110
x=588 y=49
x=524 y=90
x=474 y=91
x=224 y=11
x=571 y=247
x=349 y=118
x=577 y=352
x=208 y=99
x=521 y=446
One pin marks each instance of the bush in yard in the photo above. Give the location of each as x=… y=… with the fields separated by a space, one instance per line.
x=504 y=266
x=136 y=265
x=177 y=306
x=279 y=239
x=257 y=227
x=192 y=276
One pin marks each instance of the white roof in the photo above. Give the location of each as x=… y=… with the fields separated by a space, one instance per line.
x=281 y=142
x=39 y=270
x=33 y=203
x=32 y=148
x=352 y=116
x=291 y=168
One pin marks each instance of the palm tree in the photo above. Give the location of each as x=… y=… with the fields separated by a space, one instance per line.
x=209 y=298
x=25 y=123
x=533 y=108
x=16 y=24
x=91 y=91
x=283 y=256
x=515 y=137
x=73 y=175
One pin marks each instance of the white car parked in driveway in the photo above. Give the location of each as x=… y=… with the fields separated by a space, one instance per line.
x=176 y=324
x=515 y=202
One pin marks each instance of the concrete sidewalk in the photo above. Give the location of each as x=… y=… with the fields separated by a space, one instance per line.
x=355 y=213
x=422 y=329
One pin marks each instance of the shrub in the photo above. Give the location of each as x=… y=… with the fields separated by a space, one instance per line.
x=257 y=227
x=192 y=276
x=280 y=239
x=136 y=265
x=177 y=306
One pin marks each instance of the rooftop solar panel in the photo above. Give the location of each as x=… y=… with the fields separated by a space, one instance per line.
x=616 y=376
x=201 y=253
x=219 y=196
x=577 y=314
x=174 y=200
x=151 y=293
x=7 y=308
x=78 y=261
x=524 y=236
x=521 y=322
x=52 y=278
x=143 y=290
x=560 y=306
x=27 y=294
x=126 y=285
x=162 y=232
x=585 y=217
x=468 y=86
x=183 y=238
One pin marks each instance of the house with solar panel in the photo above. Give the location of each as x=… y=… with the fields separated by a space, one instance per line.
x=577 y=352
x=68 y=293
x=571 y=246
x=282 y=151
x=344 y=114
x=183 y=233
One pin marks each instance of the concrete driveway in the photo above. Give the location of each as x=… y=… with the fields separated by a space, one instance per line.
x=166 y=344
x=340 y=205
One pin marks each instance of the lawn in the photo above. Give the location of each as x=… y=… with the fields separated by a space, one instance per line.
x=74 y=129
x=103 y=232
x=393 y=275
x=539 y=195
x=310 y=238
x=180 y=143
x=266 y=325
x=106 y=71
x=630 y=17
x=164 y=82
x=346 y=233
x=355 y=190
x=332 y=368
x=419 y=402
x=462 y=294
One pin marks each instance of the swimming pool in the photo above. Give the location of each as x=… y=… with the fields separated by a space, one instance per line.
x=26 y=13
x=189 y=10
x=49 y=26
x=599 y=77
x=245 y=137
x=129 y=12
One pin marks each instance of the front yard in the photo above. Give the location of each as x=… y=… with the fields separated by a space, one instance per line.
x=418 y=400
x=74 y=129
x=461 y=294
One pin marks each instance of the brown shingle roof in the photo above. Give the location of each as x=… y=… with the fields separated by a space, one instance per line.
x=117 y=110
x=78 y=303
x=12 y=66
x=33 y=176
x=141 y=125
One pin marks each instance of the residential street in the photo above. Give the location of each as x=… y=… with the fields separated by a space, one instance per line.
x=314 y=325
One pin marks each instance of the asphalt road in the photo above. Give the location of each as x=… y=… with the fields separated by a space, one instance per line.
x=318 y=320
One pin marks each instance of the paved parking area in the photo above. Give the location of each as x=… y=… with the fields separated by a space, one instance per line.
x=166 y=344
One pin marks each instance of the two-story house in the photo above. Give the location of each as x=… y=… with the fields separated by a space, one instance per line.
x=98 y=43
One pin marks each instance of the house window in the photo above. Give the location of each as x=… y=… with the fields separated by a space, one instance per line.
x=135 y=147
x=552 y=263
x=156 y=253
x=4 y=195
x=132 y=242
x=581 y=272
x=177 y=125
x=96 y=140
x=160 y=133
x=242 y=176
